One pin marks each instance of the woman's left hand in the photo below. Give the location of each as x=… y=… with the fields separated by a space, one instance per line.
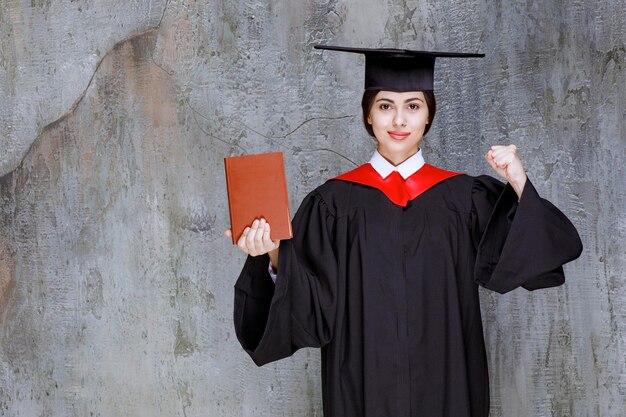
x=505 y=161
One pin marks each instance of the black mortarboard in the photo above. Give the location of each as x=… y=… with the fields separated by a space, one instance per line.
x=399 y=69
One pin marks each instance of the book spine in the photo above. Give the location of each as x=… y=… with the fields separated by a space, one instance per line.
x=230 y=205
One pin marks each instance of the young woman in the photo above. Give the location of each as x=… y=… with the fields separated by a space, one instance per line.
x=383 y=270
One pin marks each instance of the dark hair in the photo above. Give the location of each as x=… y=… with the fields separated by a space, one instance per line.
x=368 y=101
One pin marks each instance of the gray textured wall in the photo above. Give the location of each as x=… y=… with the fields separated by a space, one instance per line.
x=115 y=278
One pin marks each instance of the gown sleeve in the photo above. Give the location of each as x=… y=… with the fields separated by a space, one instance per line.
x=272 y=321
x=519 y=243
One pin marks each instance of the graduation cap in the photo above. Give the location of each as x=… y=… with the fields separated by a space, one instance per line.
x=399 y=69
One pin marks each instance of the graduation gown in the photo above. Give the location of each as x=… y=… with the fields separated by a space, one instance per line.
x=390 y=293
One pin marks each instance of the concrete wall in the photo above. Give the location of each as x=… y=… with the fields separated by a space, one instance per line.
x=115 y=278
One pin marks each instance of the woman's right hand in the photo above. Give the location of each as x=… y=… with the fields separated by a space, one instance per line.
x=255 y=240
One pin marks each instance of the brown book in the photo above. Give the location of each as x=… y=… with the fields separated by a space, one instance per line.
x=257 y=188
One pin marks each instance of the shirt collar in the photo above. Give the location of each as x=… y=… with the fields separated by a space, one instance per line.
x=406 y=168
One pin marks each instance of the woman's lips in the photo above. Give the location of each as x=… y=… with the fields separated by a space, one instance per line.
x=399 y=135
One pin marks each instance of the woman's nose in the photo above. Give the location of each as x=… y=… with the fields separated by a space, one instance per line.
x=399 y=119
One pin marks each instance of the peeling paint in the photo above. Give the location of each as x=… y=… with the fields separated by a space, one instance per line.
x=183 y=345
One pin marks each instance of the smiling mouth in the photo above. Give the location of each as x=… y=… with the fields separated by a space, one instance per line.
x=398 y=135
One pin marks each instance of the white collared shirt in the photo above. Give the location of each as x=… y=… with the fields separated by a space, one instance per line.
x=406 y=168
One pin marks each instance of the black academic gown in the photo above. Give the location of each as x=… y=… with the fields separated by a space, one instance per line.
x=390 y=293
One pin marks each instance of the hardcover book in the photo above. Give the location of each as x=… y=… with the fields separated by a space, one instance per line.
x=257 y=188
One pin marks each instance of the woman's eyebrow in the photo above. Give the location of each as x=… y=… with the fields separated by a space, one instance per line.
x=405 y=101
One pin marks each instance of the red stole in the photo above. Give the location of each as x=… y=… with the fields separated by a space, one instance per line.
x=397 y=189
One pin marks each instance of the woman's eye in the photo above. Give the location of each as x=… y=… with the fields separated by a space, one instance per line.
x=384 y=106
x=414 y=106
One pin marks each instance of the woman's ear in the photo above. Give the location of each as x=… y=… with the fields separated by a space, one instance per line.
x=369 y=120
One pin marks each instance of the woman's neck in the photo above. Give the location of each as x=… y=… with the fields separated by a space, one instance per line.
x=396 y=160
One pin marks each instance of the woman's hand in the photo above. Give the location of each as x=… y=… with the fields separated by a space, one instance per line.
x=505 y=161
x=255 y=240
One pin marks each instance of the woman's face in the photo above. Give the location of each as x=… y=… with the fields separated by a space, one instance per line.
x=398 y=121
